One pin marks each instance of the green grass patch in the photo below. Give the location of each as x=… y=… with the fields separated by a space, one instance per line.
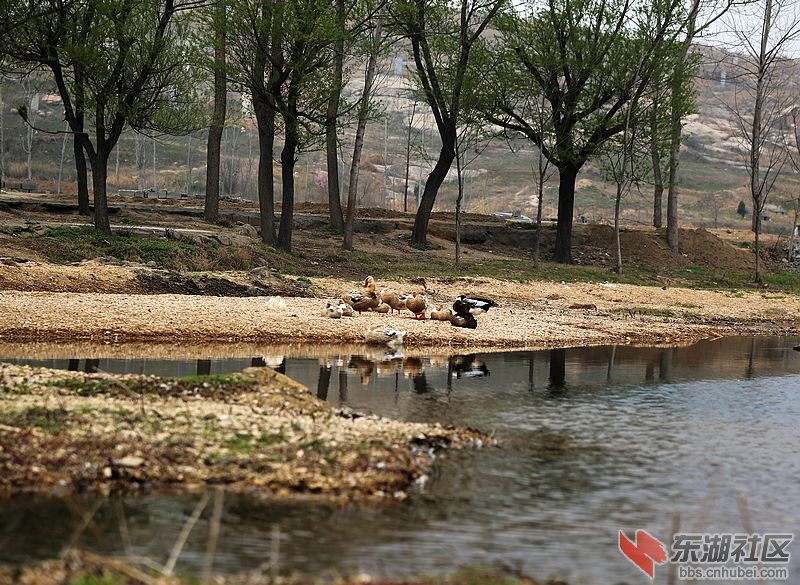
x=48 y=420
x=243 y=445
x=72 y=244
x=83 y=387
x=216 y=380
x=62 y=245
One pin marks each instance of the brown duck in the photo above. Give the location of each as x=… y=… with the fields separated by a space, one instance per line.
x=365 y=302
x=392 y=299
x=417 y=304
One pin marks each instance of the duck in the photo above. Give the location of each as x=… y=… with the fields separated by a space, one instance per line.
x=417 y=304
x=347 y=310
x=332 y=311
x=382 y=308
x=384 y=335
x=361 y=303
x=276 y=304
x=394 y=300
x=472 y=305
x=368 y=287
x=465 y=320
x=441 y=314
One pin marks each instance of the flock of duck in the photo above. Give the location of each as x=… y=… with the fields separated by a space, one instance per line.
x=462 y=313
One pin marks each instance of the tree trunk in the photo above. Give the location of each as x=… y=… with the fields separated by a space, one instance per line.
x=288 y=159
x=213 y=152
x=99 y=164
x=419 y=235
x=617 y=244
x=363 y=112
x=81 y=175
x=567 y=174
x=672 y=193
x=265 y=118
x=331 y=123
x=459 y=199
x=658 y=178
x=758 y=249
x=676 y=127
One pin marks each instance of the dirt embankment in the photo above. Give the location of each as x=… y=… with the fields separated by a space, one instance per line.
x=74 y=431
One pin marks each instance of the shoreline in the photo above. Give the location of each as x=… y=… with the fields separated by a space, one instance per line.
x=536 y=315
x=530 y=316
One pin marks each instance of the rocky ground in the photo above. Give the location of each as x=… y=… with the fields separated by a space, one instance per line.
x=67 y=430
x=75 y=431
x=529 y=315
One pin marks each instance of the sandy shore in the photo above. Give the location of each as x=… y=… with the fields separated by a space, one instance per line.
x=529 y=315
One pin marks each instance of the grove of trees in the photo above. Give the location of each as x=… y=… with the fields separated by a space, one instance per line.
x=579 y=80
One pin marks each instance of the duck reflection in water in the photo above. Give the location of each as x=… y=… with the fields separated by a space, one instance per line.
x=275 y=361
x=467 y=366
x=364 y=366
x=420 y=384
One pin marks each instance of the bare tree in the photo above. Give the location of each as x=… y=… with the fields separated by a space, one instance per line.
x=701 y=16
x=140 y=151
x=762 y=95
x=791 y=141
x=61 y=161
x=629 y=153
x=543 y=174
x=214 y=149
x=441 y=44
x=376 y=36
x=470 y=136
x=2 y=138
x=408 y=151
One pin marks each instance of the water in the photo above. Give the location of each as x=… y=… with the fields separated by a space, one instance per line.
x=594 y=440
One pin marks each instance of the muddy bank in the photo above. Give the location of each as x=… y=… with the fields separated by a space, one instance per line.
x=80 y=566
x=257 y=430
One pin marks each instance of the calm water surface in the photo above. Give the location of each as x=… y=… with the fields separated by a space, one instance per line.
x=595 y=440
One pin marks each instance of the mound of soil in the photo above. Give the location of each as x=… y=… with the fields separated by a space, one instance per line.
x=170 y=282
x=594 y=244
